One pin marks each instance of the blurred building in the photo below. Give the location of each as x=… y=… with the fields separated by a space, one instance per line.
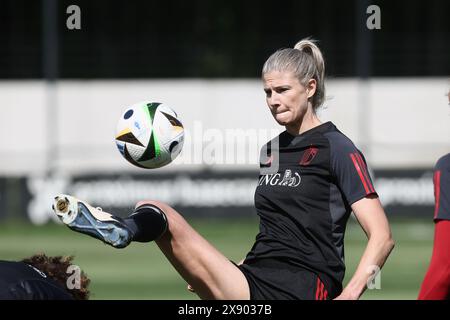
x=62 y=91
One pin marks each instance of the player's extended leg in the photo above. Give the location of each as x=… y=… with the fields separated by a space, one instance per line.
x=207 y=270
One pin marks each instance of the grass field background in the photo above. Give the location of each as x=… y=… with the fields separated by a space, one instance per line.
x=142 y=272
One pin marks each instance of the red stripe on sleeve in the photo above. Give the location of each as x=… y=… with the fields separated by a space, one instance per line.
x=437 y=191
x=321 y=290
x=317 y=288
x=358 y=169
x=364 y=169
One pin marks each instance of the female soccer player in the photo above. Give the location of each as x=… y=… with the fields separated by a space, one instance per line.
x=436 y=285
x=303 y=205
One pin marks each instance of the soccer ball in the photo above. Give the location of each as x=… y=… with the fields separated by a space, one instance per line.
x=149 y=135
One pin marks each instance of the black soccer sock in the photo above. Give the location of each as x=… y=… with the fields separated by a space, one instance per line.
x=148 y=223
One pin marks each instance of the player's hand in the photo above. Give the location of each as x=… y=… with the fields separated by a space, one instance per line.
x=345 y=296
x=190 y=288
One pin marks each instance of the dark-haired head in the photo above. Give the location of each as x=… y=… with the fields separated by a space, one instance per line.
x=58 y=268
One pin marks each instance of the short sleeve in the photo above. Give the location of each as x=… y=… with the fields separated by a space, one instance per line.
x=441 y=181
x=349 y=168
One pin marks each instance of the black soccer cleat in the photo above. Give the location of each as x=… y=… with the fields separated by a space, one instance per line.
x=81 y=217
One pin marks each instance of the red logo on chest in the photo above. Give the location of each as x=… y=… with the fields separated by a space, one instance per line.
x=308 y=156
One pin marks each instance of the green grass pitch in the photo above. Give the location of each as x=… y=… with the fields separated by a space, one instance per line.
x=141 y=271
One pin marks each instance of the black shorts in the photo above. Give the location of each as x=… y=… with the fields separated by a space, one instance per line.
x=271 y=279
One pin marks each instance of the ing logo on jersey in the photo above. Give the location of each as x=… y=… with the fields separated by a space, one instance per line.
x=288 y=179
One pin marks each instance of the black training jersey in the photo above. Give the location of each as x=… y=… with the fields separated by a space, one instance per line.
x=304 y=205
x=20 y=281
x=441 y=180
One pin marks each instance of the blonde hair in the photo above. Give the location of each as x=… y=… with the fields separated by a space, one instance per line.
x=306 y=61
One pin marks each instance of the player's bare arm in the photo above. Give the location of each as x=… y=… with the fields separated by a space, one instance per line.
x=371 y=217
